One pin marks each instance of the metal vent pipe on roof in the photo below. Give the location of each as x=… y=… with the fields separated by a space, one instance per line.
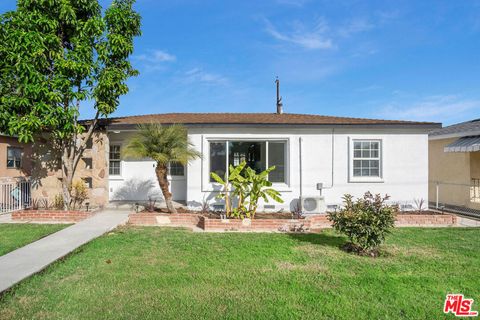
x=279 y=98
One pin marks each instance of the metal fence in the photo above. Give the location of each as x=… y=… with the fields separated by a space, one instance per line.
x=475 y=191
x=15 y=195
x=456 y=197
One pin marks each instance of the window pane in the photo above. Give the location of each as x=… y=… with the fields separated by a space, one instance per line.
x=357 y=154
x=357 y=164
x=114 y=168
x=10 y=163
x=365 y=153
x=357 y=145
x=276 y=157
x=177 y=169
x=218 y=158
x=114 y=152
x=253 y=152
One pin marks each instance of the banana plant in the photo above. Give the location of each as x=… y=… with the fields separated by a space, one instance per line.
x=248 y=187
x=260 y=187
x=232 y=179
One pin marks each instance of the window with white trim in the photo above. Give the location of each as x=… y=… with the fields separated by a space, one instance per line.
x=259 y=155
x=14 y=157
x=366 y=159
x=114 y=160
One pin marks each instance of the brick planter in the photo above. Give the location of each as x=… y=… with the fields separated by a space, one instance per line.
x=50 y=215
x=420 y=220
x=162 y=219
x=311 y=223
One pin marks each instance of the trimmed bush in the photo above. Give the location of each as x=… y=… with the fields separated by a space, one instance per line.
x=365 y=222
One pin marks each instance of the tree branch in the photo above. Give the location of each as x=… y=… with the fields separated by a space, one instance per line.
x=83 y=143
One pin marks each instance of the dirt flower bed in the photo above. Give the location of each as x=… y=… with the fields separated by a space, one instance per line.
x=423 y=212
x=218 y=215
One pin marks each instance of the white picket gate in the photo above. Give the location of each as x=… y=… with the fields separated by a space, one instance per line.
x=15 y=194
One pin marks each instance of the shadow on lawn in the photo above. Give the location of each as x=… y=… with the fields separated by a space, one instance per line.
x=320 y=239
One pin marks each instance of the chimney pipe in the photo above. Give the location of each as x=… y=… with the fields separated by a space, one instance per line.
x=279 y=99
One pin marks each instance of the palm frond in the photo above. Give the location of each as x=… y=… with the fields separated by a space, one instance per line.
x=164 y=144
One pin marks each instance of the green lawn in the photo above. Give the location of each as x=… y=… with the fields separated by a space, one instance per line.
x=14 y=236
x=154 y=273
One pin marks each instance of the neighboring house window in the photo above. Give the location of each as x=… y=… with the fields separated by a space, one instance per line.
x=259 y=155
x=114 y=164
x=366 y=158
x=176 y=169
x=14 y=157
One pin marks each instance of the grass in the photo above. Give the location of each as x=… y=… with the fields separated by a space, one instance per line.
x=14 y=236
x=154 y=273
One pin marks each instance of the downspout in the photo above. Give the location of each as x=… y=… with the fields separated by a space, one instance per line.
x=300 y=140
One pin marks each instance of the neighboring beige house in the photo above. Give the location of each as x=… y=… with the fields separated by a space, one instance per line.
x=14 y=158
x=454 y=166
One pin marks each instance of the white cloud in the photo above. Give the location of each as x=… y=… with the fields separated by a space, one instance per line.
x=320 y=34
x=309 y=38
x=199 y=75
x=156 y=56
x=441 y=108
x=354 y=26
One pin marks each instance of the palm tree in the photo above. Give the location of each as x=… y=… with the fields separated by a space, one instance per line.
x=164 y=145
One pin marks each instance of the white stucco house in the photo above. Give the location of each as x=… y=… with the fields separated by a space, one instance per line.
x=344 y=155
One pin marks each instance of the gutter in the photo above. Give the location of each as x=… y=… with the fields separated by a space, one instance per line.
x=420 y=126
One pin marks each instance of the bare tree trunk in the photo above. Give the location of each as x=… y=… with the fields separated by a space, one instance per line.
x=162 y=172
x=71 y=154
x=67 y=179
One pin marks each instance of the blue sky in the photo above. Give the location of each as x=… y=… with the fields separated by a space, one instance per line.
x=416 y=60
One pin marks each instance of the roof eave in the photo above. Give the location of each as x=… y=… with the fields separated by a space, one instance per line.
x=414 y=125
x=459 y=134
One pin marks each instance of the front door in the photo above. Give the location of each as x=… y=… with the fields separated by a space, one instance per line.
x=178 y=181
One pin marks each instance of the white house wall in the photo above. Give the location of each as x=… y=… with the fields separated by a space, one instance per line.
x=404 y=159
x=404 y=164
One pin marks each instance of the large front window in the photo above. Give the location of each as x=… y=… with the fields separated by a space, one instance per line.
x=259 y=155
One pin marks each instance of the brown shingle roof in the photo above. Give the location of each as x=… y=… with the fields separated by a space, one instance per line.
x=254 y=118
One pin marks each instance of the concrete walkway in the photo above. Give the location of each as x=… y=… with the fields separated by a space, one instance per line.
x=34 y=257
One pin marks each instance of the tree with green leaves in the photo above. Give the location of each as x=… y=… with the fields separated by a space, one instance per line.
x=163 y=144
x=57 y=56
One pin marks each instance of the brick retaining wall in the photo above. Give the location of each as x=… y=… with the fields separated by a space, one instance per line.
x=50 y=215
x=420 y=220
x=312 y=223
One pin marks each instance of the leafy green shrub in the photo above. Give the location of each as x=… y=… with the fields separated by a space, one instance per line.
x=58 y=202
x=79 y=194
x=365 y=222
